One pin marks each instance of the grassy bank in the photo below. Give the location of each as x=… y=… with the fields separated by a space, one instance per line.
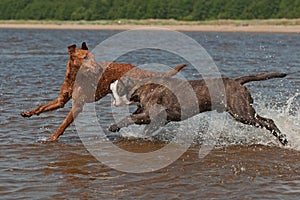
x=258 y=26
x=157 y=22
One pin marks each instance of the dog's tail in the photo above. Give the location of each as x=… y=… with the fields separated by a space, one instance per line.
x=260 y=77
x=175 y=70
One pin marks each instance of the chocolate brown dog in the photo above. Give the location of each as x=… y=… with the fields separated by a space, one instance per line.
x=110 y=72
x=166 y=95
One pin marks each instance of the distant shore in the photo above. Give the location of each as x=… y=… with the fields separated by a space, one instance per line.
x=260 y=26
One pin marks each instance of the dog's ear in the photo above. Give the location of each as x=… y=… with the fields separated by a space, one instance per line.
x=125 y=84
x=121 y=88
x=71 y=49
x=84 y=46
x=127 y=81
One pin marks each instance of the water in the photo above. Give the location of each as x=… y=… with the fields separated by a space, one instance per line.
x=246 y=162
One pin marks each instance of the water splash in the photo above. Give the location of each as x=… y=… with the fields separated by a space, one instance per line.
x=286 y=117
x=42 y=139
x=290 y=102
x=289 y=121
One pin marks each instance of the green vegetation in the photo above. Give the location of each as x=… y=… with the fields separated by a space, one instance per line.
x=188 y=10
x=159 y=22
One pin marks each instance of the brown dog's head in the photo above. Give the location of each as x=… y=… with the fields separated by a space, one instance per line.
x=81 y=60
x=78 y=56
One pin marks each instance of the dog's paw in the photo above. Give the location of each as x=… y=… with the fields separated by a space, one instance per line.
x=114 y=128
x=283 y=140
x=51 y=139
x=26 y=114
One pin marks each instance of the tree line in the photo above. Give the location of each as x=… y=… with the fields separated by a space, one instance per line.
x=146 y=9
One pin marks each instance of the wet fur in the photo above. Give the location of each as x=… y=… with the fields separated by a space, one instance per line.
x=149 y=94
x=110 y=72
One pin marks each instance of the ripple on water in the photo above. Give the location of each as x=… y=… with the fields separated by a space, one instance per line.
x=246 y=163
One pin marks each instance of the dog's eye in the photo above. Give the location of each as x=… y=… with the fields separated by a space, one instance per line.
x=135 y=98
x=86 y=57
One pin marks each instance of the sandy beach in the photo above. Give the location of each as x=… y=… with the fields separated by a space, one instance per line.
x=200 y=28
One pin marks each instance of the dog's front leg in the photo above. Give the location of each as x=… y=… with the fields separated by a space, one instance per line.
x=141 y=118
x=76 y=109
x=158 y=118
x=53 y=105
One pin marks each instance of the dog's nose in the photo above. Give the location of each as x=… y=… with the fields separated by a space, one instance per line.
x=116 y=103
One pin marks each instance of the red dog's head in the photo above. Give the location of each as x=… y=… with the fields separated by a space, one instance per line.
x=79 y=56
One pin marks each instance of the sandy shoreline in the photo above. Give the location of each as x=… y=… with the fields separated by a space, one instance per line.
x=200 y=28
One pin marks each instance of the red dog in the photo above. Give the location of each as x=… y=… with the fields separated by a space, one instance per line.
x=111 y=72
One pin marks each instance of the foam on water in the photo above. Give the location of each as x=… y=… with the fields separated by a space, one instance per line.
x=41 y=139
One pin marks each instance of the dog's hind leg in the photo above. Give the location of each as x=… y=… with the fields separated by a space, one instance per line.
x=252 y=118
x=269 y=124
x=239 y=105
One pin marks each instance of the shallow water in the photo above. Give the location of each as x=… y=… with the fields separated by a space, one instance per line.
x=245 y=163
